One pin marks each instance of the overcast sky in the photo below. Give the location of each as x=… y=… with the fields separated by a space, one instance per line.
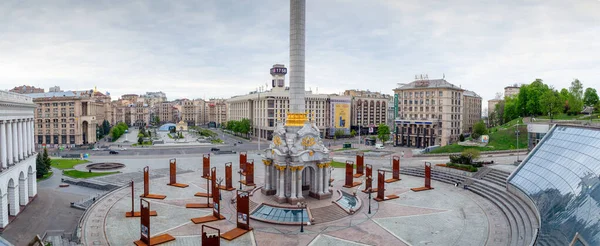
x=221 y=48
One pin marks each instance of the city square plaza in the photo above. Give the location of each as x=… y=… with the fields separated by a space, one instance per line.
x=445 y=215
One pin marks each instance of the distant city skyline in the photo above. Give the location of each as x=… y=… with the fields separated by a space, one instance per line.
x=219 y=49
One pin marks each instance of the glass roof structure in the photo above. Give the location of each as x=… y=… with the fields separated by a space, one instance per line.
x=562 y=177
x=277 y=214
x=166 y=127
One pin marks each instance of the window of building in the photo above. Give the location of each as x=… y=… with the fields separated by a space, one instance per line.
x=441 y=93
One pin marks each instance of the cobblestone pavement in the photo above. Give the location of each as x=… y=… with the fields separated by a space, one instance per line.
x=446 y=215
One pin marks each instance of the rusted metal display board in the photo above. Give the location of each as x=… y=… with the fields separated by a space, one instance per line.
x=369 y=180
x=228 y=178
x=145 y=238
x=243 y=161
x=206 y=166
x=173 y=174
x=381 y=188
x=395 y=170
x=212 y=239
x=132 y=213
x=360 y=162
x=216 y=205
x=243 y=217
x=249 y=174
x=146 y=193
x=349 y=177
x=427 y=179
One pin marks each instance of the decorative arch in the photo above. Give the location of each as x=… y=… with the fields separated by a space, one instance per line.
x=31 y=185
x=13 y=198
x=23 y=198
x=309 y=176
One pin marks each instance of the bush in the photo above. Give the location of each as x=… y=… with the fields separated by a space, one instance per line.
x=472 y=154
x=464 y=167
x=461 y=138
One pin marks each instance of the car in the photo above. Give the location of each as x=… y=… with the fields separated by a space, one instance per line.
x=379 y=146
x=214 y=149
x=113 y=152
x=240 y=142
x=123 y=149
x=95 y=149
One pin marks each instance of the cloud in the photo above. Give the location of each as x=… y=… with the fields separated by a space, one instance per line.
x=207 y=48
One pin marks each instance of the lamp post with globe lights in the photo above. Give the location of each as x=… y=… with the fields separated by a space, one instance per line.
x=302 y=206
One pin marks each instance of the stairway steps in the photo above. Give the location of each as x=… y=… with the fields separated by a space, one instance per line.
x=514 y=229
x=524 y=213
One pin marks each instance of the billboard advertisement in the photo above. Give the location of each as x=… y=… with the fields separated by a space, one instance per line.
x=340 y=115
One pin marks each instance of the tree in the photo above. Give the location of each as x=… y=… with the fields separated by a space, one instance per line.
x=140 y=140
x=383 y=133
x=479 y=129
x=564 y=98
x=40 y=166
x=575 y=97
x=353 y=133
x=46 y=160
x=590 y=97
x=105 y=127
x=461 y=138
x=551 y=103
x=338 y=133
x=511 y=110
x=471 y=155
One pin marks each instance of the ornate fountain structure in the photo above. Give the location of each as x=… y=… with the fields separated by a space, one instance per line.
x=296 y=159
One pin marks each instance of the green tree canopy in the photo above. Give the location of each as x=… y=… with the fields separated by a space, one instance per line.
x=590 y=97
x=383 y=133
x=479 y=129
x=552 y=103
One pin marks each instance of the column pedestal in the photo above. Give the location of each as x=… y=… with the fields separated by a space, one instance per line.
x=281 y=189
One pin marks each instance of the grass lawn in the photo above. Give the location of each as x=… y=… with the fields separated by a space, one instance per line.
x=46 y=176
x=67 y=163
x=343 y=149
x=85 y=175
x=500 y=140
x=338 y=164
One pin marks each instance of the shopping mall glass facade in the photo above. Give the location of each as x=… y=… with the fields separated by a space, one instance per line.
x=562 y=177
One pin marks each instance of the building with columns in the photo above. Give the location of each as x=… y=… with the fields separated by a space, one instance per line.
x=17 y=155
x=69 y=118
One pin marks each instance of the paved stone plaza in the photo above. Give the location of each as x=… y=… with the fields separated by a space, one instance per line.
x=447 y=215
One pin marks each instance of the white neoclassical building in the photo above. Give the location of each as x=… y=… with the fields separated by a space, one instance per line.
x=17 y=155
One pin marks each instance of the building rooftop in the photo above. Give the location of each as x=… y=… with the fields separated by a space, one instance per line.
x=429 y=83
x=471 y=94
x=12 y=97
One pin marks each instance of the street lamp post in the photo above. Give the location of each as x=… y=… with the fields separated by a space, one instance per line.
x=370 y=190
x=517 y=132
x=301 y=205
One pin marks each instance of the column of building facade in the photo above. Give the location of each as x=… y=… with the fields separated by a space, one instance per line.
x=3 y=157
x=319 y=182
x=20 y=139
x=26 y=138
x=4 y=201
x=276 y=179
x=14 y=199
x=23 y=198
x=15 y=146
x=299 y=183
x=9 y=141
x=326 y=179
x=29 y=136
x=267 y=174
x=293 y=169
x=281 y=188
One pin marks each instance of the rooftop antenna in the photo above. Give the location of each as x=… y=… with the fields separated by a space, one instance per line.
x=443 y=76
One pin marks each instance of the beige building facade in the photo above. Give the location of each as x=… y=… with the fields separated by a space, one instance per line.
x=430 y=113
x=471 y=111
x=217 y=111
x=69 y=118
x=512 y=90
x=492 y=105
x=369 y=109
x=193 y=112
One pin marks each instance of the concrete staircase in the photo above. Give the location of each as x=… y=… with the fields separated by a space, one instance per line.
x=59 y=238
x=328 y=213
x=491 y=184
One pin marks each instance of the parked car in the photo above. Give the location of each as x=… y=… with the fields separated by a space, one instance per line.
x=95 y=149
x=214 y=149
x=379 y=146
x=123 y=149
x=240 y=142
x=113 y=152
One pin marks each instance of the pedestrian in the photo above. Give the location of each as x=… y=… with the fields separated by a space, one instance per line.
x=403 y=154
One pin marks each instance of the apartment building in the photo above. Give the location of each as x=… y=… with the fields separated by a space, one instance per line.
x=26 y=89
x=193 y=112
x=369 y=109
x=154 y=98
x=132 y=111
x=430 y=113
x=166 y=112
x=471 y=110
x=68 y=118
x=511 y=90
x=217 y=110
